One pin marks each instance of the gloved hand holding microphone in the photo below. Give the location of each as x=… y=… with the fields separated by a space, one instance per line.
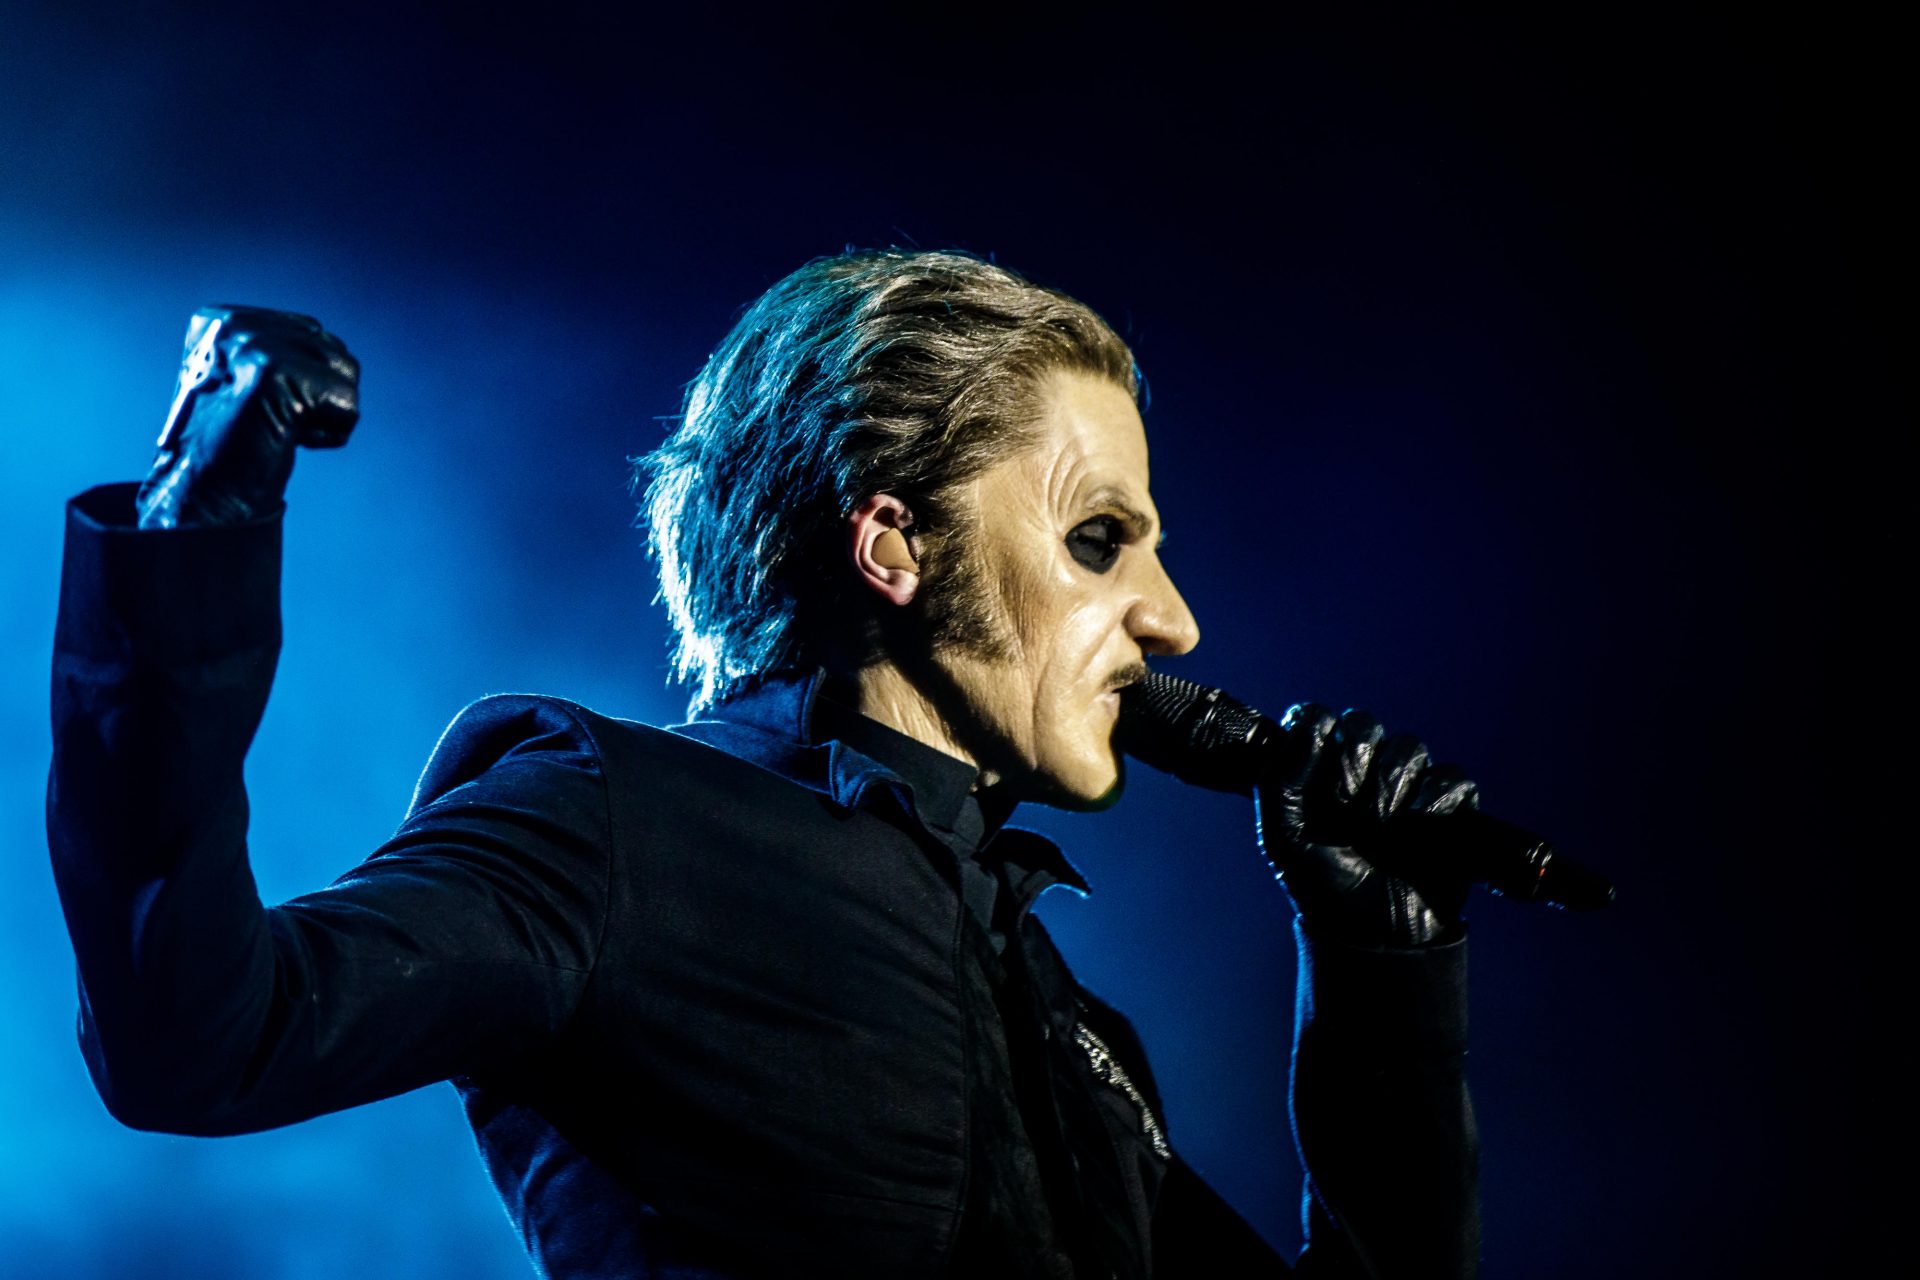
x=1375 y=845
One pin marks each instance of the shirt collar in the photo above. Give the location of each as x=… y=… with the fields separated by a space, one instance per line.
x=794 y=724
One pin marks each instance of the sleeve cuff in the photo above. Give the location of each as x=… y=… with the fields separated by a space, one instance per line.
x=172 y=595
x=1384 y=1001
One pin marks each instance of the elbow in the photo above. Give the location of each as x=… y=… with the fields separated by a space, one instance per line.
x=147 y=1103
x=142 y=1094
x=145 y=1114
x=158 y=1111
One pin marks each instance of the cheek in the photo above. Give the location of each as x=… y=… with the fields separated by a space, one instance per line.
x=1063 y=626
x=1073 y=635
x=1031 y=602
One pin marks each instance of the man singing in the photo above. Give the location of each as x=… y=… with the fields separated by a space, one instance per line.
x=761 y=994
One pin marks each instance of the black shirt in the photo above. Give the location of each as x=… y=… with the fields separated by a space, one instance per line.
x=944 y=796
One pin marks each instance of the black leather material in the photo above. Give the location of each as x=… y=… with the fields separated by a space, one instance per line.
x=1349 y=785
x=254 y=385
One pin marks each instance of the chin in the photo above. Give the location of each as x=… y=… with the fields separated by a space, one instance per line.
x=1088 y=787
x=1111 y=796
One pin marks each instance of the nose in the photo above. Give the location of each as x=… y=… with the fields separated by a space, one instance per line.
x=1160 y=621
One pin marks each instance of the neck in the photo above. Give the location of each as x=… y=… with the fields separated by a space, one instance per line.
x=887 y=695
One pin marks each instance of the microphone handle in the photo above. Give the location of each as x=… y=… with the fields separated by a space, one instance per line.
x=1206 y=737
x=1509 y=859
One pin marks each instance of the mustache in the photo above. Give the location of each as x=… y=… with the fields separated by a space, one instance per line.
x=1132 y=673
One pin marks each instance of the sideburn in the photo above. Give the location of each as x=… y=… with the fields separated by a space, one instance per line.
x=955 y=610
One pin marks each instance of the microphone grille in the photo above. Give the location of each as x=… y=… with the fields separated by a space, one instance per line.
x=1198 y=734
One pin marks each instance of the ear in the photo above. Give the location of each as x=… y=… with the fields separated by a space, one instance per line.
x=882 y=556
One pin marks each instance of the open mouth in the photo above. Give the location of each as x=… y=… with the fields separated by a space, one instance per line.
x=1110 y=697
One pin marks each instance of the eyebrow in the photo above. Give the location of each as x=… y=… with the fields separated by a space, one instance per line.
x=1113 y=499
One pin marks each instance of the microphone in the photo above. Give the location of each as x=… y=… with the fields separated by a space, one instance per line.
x=1210 y=739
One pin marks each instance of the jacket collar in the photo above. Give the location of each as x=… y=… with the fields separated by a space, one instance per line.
x=792 y=724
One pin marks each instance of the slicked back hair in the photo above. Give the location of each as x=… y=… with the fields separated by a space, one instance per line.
x=883 y=371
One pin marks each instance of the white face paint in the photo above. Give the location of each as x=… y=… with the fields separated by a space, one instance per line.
x=1068 y=547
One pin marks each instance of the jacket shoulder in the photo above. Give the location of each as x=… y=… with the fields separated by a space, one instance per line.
x=501 y=727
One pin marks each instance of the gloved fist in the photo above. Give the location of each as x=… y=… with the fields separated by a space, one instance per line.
x=253 y=385
x=1349 y=787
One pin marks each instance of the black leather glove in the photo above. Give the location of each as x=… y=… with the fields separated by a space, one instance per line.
x=1352 y=787
x=253 y=385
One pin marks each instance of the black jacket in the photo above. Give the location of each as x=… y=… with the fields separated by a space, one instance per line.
x=717 y=1000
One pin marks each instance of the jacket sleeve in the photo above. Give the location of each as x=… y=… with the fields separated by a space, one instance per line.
x=1382 y=1119
x=461 y=945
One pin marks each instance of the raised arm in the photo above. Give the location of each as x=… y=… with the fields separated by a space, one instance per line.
x=460 y=945
x=1381 y=1112
x=1380 y=1104
x=1382 y=1119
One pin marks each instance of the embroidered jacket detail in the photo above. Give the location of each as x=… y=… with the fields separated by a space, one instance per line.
x=1107 y=1069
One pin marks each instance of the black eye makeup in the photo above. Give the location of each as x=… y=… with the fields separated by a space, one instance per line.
x=1096 y=543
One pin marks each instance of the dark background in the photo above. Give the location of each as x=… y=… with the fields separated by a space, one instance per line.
x=1521 y=379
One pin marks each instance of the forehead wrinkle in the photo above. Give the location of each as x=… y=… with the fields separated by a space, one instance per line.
x=1063 y=470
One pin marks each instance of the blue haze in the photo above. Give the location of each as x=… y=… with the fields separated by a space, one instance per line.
x=1454 y=411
